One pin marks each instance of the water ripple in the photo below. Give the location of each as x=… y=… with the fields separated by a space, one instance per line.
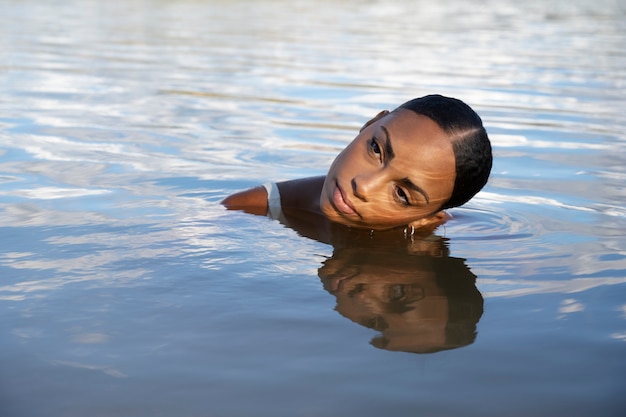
x=490 y=224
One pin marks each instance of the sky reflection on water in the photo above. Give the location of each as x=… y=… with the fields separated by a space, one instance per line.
x=126 y=288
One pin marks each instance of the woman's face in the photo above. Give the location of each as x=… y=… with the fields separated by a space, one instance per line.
x=398 y=169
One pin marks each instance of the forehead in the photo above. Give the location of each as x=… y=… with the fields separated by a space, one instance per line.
x=417 y=139
x=417 y=128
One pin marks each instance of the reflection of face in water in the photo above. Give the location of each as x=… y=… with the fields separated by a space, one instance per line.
x=420 y=302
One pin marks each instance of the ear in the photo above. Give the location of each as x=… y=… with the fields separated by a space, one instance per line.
x=428 y=224
x=376 y=118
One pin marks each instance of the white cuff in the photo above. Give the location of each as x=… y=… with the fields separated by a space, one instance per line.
x=274 y=207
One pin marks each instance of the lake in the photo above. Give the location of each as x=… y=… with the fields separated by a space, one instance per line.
x=126 y=288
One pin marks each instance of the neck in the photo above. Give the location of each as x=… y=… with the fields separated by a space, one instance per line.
x=302 y=194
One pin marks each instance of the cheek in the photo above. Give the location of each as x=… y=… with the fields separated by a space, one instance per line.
x=386 y=218
x=442 y=191
x=345 y=160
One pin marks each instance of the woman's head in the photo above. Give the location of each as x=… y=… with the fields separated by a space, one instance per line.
x=405 y=166
x=472 y=149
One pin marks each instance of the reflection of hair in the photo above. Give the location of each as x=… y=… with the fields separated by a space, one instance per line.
x=472 y=149
x=465 y=301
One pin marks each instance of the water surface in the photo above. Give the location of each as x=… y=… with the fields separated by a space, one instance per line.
x=126 y=288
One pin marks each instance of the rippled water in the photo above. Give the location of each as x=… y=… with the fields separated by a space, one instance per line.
x=126 y=288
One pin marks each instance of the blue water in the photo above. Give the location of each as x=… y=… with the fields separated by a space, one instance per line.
x=126 y=289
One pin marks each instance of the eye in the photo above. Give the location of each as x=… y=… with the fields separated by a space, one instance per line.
x=376 y=323
x=402 y=196
x=375 y=149
x=396 y=292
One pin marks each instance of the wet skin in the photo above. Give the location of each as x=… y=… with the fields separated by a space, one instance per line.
x=399 y=169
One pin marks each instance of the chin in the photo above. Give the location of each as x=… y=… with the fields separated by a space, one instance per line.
x=326 y=208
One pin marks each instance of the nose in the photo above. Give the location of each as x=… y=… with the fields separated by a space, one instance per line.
x=364 y=185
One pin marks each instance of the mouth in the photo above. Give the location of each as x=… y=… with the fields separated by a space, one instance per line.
x=342 y=204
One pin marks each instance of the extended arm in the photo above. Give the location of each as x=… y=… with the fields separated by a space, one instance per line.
x=301 y=194
x=253 y=201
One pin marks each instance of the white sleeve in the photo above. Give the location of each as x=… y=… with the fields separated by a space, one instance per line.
x=274 y=207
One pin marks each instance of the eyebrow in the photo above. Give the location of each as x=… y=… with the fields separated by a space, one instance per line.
x=410 y=184
x=406 y=181
x=388 y=149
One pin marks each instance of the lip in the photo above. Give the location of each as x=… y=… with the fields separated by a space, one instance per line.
x=341 y=203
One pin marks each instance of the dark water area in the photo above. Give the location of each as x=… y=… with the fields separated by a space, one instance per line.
x=126 y=289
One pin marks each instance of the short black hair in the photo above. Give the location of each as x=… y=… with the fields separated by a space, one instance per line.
x=470 y=143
